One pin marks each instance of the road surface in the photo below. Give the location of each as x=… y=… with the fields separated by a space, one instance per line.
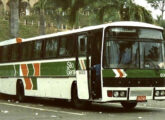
x=37 y=109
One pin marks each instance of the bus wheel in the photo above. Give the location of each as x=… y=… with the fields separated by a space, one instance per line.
x=76 y=102
x=129 y=105
x=20 y=91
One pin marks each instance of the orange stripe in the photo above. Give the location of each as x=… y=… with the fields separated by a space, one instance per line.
x=82 y=64
x=24 y=69
x=19 y=40
x=119 y=71
x=37 y=69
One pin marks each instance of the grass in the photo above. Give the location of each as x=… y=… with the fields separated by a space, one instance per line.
x=24 y=31
x=4 y=30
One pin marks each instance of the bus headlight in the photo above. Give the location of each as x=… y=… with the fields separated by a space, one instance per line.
x=162 y=93
x=157 y=93
x=122 y=94
x=116 y=94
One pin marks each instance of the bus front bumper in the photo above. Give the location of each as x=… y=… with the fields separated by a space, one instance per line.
x=139 y=94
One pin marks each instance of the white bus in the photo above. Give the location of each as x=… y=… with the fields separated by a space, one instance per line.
x=116 y=62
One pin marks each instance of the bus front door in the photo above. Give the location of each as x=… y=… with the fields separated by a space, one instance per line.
x=81 y=72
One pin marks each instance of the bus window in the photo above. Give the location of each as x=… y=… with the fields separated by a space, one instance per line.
x=151 y=55
x=37 y=49
x=26 y=50
x=121 y=54
x=15 y=52
x=0 y=54
x=51 y=48
x=66 y=46
x=5 y=54
x=82 y=43
x=62 y=51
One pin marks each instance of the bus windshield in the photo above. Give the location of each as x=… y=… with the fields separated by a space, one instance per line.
x=136 y=50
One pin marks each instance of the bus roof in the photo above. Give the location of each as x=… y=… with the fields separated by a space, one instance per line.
x=135 y=24
x=113 y=24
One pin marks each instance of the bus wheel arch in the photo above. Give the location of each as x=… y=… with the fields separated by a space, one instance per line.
x=20 y=92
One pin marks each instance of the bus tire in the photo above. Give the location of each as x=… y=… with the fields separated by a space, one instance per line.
x=129 y=105
x=76 y=102
x=20 y=91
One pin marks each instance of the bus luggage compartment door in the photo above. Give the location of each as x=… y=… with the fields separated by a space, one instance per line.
x=82 y=84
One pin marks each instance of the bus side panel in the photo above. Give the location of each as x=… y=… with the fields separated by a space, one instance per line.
x=8 y=86
x=52 y=88
x=54 y=81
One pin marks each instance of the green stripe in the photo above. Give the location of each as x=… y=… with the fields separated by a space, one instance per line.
x=108 y=73
x=6 y=71
x=17 y=70
x=58 y=69
x=34 y=81
x=31 y=69
x=136 y=73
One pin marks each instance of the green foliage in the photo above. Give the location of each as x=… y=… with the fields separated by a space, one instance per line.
x=158 y=4
x=119 y=10
x=80 y=13
x=4 y=30
x=24 y=31
x=28 y=31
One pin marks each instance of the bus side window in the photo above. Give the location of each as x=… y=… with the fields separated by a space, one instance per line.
x=51 y=48
x=62 y=50
x=26 y=48
x=70 y=45
x=4 y=54
x=82 y=43
x=37 y=50
x=0 y=54
x=15 y=52
x=66 y=48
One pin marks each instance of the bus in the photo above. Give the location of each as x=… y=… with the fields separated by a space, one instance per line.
x=114 y=62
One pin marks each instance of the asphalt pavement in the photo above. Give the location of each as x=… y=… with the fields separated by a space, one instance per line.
x=44 y=109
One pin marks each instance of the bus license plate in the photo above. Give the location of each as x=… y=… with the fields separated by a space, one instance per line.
x=141 y=98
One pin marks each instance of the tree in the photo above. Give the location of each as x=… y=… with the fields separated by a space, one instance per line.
x=41 y=5
x=133 y=12
x=74 y=6
x=158 y=4
x=14 y=18
x=125 y=10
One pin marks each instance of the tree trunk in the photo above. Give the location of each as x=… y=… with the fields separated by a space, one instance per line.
x=14 y=18
x=162 y=8
x=42 y=22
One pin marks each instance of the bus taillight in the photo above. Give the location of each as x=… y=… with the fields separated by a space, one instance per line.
x=109 y=93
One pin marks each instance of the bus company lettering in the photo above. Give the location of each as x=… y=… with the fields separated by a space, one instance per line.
x=70 y=68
